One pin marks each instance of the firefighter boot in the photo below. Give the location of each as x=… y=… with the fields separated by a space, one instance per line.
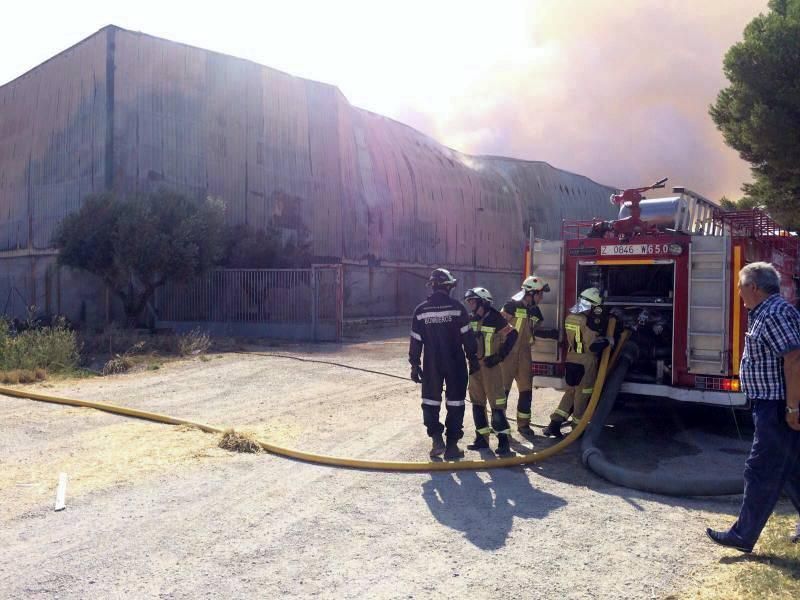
x=503 y=447
x=453 y=452
x=481 y=428
x=553 y=430
x=524 y=414
x=481 y=443
x=437 y=446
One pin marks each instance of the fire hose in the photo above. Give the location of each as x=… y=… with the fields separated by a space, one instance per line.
x=656 y=482
x=357 y=463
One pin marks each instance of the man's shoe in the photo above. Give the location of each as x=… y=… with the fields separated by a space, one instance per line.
x=453 y=452
x=724 y=538
x=795 y=537
x=553 y=430
x=437 y=446
x=480 y=443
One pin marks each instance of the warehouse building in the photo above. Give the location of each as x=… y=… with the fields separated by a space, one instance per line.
x=130 y=112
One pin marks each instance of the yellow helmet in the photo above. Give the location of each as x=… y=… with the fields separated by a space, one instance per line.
x=592 y=295
x=534 y=284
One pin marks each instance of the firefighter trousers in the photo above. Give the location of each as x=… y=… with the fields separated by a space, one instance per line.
x=517 y=367
x=486 y=387
x=433 y=381
x=576 y=396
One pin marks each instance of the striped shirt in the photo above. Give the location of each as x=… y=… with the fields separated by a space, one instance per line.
x=773 y=329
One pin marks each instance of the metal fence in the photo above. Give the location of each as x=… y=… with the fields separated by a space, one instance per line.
x=302 y=304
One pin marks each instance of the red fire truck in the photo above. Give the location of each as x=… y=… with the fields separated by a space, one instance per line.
x=668 y=269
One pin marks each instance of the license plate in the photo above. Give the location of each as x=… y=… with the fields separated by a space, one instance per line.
x=629 y=249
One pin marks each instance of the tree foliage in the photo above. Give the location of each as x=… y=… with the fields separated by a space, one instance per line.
x=744 y=203
x=249 y=248
x=759 y=112
x=138 y=244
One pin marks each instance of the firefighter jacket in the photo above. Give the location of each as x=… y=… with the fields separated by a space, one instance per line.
x=524 y=319
x=440 y=325
x=583 y=338
x=492 y=334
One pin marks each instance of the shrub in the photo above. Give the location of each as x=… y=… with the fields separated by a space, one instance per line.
x=53 y=349
x=193 y=343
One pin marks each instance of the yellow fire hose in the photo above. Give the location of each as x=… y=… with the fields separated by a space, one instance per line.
x=359 y=463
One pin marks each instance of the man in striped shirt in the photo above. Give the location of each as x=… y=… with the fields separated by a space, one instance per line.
x=770 y=377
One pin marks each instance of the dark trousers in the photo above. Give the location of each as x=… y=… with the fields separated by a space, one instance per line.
x=773 y=466
x=433 y=382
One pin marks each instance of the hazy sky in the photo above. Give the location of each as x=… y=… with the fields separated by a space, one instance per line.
x=614 y=89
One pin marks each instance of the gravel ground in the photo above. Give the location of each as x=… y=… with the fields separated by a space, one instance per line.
x=156 y=511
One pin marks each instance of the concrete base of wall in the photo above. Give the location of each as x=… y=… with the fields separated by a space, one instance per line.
x=34 y=286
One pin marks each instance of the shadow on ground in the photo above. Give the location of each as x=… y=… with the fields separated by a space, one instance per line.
x=483 y=506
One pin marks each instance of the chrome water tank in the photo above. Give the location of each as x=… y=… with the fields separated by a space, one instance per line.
x=663 y=212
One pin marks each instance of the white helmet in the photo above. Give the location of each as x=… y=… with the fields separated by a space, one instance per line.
x=478 y=293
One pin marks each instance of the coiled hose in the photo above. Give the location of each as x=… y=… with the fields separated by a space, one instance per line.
x=656 y=482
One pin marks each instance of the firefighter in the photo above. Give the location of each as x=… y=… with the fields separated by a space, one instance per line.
x=440 y=326
x=585 y=339
x=524 y=314
x=495 y=339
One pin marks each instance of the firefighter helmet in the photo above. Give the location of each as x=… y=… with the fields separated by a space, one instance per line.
x=442 y=278
x=588 y=298
x=480 y=294
x=534 y=283
x=592 y=295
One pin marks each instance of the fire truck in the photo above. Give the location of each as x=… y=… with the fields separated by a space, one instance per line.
x=668 y=270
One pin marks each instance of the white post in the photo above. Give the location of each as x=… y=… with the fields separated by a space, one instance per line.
x=61 y=492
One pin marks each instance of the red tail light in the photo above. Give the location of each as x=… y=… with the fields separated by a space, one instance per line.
x=717 y=384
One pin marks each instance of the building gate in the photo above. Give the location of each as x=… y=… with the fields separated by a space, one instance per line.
x=298 y=304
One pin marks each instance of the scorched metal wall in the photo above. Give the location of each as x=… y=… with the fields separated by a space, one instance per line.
x=129 y=112
x=52 y=142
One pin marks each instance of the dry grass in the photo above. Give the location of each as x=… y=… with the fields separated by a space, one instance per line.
x=99 y=458
x=772 y=571
x=239 y=442
x=15 y=376
x=118 y=364
x=193 y=343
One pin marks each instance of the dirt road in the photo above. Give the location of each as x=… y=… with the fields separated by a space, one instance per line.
x=156 y=511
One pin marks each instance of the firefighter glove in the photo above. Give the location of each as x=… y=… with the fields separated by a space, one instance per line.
x=492 y=361
x=474 y=365
x=416 y=373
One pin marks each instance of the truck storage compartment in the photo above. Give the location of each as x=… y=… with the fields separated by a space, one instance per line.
x=641 y=298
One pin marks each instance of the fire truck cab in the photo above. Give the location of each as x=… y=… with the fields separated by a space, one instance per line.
x=668 y=271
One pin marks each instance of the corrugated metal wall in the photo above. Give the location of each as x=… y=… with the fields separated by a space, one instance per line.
x=132 y=112
x=293 y=153
x=52 y=142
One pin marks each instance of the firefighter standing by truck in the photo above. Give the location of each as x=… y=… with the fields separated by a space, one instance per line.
x=583 y=328
x=440 y=326
x=495 y=339
x=524 y=314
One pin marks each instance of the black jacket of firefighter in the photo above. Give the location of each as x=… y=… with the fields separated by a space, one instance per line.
x=585 y=340
x=527 y=321
x=441 y=335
